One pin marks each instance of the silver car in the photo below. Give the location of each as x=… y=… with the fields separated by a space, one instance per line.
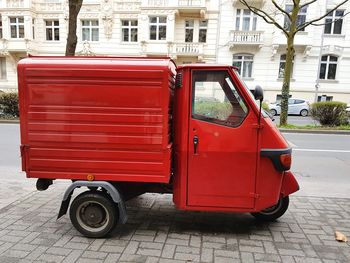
x=295 y=106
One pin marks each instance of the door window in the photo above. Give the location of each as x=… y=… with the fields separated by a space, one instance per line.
x=216 y=99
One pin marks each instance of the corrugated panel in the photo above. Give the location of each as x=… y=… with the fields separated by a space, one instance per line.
x=114 y=125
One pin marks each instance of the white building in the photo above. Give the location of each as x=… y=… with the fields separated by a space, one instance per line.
x=190 y=31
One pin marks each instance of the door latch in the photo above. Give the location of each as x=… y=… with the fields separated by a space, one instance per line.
x=195 y=143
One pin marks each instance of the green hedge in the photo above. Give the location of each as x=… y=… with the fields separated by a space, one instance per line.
x=213 y=109
x=9 y=104
x=329 y=113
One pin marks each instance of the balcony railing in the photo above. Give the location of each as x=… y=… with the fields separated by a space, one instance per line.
x=174 y=3
x=190 y=3
x=127 y=5
x=190 y=49
x=247 y=37
x=15 y=4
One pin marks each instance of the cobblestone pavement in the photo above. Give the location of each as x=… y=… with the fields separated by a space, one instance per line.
x=157 y=232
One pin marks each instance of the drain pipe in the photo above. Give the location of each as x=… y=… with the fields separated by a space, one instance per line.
x=218 y=34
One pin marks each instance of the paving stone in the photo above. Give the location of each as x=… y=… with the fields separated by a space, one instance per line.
x=168 y=251
x=112 y=258
x=207 y=255
x=51 y=258
x=73 y=256
x=157 y=232
x=111 y=249
x=132 y=247
x=187 y=256
x=149 y=252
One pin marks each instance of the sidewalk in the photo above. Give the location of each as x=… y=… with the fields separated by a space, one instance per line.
x=157 y=232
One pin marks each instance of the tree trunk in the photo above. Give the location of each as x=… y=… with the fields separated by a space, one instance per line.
x=286 y=80
x=289 y=62
x=72 y=39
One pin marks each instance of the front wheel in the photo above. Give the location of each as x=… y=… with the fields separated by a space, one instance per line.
x=273 y=212
x=273 y=112
x=93 y=214
x=304 y=113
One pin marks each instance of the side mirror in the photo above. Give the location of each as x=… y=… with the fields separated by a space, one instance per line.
x=258 y=93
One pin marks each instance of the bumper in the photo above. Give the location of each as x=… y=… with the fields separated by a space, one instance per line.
x=289 y=184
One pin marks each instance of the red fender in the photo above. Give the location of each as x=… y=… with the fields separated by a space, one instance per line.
x=289 y=184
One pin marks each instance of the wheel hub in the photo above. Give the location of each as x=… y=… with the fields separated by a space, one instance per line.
x=93 y=215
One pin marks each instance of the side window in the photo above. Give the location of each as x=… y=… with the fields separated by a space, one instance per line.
x=291 y=101
x=215 y=98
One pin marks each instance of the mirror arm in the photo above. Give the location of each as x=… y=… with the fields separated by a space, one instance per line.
x=259 y=117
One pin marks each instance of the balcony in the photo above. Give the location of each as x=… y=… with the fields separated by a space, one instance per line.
x=246 y=38
x=303 y=42
x=255 y=3
x=187 y=49
x=154 y=48
x=182 y=6
x=49 y=6
x=127 y=6
x=16 y=46
x=21 y=4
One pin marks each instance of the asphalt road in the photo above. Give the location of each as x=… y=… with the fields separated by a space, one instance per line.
x=321 y=164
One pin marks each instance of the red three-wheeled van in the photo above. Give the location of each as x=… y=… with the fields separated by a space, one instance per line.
x=124 y=126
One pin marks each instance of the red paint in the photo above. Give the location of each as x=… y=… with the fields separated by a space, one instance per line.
x=121 y=119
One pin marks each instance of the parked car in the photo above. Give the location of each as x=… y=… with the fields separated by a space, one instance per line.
x=295 y=106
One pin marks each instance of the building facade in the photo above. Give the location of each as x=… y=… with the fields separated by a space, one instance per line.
x=189 y=31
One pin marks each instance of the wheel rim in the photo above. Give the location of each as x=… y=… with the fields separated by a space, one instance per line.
x=92 y=216
x=303 y=113
x=273 y=209
x=273 y=112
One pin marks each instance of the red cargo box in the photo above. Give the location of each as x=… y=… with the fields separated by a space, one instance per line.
x=105 y=117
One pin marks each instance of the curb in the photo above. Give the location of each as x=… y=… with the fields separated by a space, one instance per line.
x=341 y=132
x=9 y=121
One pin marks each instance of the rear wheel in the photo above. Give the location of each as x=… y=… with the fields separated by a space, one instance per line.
x=273 y=212
x=273 y=112
x=304 y=113
x=94 y=214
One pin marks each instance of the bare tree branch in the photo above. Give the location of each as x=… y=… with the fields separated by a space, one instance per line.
x=302 y=26
x=308 y=3
x=264 y=15
x=281 y=9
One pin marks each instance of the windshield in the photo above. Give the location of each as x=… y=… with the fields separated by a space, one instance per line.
x=257 y=103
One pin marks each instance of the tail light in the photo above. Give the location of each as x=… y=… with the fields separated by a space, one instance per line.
x=286 y=160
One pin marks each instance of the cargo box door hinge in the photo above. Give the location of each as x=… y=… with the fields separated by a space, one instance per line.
x=24 y=156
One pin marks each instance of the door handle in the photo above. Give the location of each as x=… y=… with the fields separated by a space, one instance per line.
x=195 y=143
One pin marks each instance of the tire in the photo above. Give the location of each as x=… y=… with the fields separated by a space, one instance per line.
x=274 y=212
x=94 y=214
x=273 y=112
x=304 y=112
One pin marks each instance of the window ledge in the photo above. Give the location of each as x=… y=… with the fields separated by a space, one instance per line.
x=156 y=41
x=281 y=79
x=129 y=43
x=328 y=81
x=248 y=79
x=334 y=35
x=3 y=80
x=302 y=33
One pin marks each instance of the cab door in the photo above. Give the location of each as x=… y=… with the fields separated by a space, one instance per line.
x=222 y=143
